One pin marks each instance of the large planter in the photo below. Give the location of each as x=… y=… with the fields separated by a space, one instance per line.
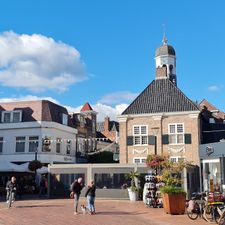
x=174 y=203
x=133 y=195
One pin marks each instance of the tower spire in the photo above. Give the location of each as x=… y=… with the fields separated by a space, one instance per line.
x=164 y=41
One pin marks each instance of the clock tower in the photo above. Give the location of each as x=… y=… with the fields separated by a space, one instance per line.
x=165 y=56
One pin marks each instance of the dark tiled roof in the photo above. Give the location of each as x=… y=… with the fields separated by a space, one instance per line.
x=113 y=126
x=165 y=50
x=160 y=96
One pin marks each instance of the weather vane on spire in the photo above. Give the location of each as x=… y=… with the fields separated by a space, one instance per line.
x=164 y=41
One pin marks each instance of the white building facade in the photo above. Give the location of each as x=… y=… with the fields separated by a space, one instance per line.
x=43 y=132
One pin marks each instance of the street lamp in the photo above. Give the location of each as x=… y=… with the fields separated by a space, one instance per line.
x=155 y=131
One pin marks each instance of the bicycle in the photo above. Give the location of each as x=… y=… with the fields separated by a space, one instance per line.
x=196 y=206
x=222 y=219
x=213 y=211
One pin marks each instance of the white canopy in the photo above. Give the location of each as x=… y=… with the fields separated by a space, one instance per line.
x=42 y=170
x=10 y=167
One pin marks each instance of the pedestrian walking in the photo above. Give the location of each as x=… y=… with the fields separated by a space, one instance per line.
x=76 y=189
x=42 y=187
x=90 y=194
x=11 y=187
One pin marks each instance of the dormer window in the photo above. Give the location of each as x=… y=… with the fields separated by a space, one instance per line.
x=64 y=119
x=12 y=116
x=211 y=120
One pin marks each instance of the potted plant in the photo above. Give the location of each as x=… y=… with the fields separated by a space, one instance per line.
x=133 y=189
x=170 y=174
x=174 y=196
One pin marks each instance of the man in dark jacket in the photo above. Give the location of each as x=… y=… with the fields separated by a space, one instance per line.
x=76 y=189
x=11 y=187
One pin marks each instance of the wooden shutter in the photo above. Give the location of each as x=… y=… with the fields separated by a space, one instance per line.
x=129 y=140
x=165 y=139
x=187 y=138
x=151 y=140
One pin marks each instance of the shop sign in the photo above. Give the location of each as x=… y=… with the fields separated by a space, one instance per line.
x=209 y=150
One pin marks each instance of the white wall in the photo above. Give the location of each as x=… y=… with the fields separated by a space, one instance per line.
x=41 y=129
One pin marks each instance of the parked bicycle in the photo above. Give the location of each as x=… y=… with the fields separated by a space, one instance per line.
x=213 y=211
x=195 y=207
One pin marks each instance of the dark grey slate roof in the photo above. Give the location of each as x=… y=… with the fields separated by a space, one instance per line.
x=165 y=50
x=113 y=126
x=160 y=96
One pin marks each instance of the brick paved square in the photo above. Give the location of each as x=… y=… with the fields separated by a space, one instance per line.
x=109 y=212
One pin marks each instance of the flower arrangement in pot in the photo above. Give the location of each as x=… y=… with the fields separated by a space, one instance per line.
x=170 y=171
x=133 y=176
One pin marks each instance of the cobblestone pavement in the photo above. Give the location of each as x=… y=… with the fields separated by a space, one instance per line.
x=109 y=212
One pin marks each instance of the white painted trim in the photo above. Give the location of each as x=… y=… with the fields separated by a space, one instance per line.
x=210 y=160
x=140 y=135
x=140 y=158
x=37 y=124
x=143 y=151
x=190 y=113
x=176 y=133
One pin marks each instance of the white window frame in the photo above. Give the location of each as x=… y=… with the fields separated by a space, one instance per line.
x=93 y=126
x=140 y=135
x=176 y=158
x=33 y=140
x=142 y=160
x=65 y=119
x=176 y=133
x=11 y=116
x=68 y=147
x=58 y=145
x=23 y=141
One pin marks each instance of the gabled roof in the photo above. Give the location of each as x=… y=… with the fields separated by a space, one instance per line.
x=204 y=103
x=160 y=96
x=86 y=107
x=113 y=126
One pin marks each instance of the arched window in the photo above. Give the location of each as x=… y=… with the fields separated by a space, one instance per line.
x=171 y=68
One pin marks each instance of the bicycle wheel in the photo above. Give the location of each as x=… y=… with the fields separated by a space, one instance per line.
x=222 y=221
x=211 y=213
x=193 y=215
x=208 y=213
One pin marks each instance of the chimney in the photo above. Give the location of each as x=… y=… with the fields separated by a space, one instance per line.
x=161 y=73
x=106 y=124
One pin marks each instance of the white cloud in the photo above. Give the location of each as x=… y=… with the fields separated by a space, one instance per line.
x=105 y=110
x=215 y=88
x=118 y=98
x=38 y=63
x=28 y=98
x=102 y=109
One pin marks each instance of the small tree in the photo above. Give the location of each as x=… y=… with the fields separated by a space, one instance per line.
x=170 y=172
x=133 y=177
x=34 y=165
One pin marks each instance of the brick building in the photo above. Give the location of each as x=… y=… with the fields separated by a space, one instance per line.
x=161 y=119
x=85 y=123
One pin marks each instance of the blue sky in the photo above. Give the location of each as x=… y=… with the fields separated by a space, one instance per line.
x=102 y=52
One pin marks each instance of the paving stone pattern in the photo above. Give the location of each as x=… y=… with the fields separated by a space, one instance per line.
x=109 y=212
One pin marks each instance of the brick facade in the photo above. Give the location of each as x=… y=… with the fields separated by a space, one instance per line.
x=161 y=122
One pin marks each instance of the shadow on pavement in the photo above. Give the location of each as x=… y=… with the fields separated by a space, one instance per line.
x=37 y=206
x=118 y=213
